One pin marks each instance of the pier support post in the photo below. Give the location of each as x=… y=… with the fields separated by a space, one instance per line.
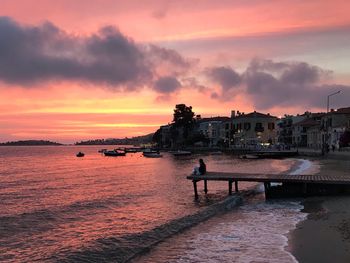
x=304 y=188
x=230 y=187
x=195 y=189
x=236 y=186
x=267 y=186
x=205 y=186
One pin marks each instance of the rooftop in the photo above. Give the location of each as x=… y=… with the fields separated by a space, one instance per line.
x=255 y=114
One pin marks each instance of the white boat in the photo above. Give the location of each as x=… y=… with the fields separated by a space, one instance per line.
x=149 y=150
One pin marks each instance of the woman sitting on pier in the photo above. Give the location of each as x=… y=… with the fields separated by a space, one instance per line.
x=202 y=169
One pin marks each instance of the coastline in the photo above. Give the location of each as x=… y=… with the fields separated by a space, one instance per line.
x=324 y=236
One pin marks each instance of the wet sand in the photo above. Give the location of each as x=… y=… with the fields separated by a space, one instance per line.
x=325 y=235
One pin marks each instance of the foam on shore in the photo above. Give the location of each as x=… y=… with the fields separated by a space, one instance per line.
x=306 y=167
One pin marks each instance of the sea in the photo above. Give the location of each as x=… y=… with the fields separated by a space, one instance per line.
x=56 y=207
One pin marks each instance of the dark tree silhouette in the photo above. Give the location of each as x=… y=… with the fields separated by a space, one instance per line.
x=183 y=116
x=157 y=137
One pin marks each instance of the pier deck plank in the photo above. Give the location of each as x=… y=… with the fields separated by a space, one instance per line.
x=270 y=178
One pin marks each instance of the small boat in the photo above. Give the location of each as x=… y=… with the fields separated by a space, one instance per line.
x=130 y=150
x=181 y=153
x=149 y=150
x=249 y=156
x=114 y=153
x=152 y=155
x=80 y=154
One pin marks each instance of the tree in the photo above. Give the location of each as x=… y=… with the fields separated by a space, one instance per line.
x=183 y=123
x=183 y=116
x=157 y=137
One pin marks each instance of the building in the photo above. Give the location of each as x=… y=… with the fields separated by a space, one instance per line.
x=254 y=128
x=300 y=129
x=314 y=137
x=333 y=126
x=215 y=129
x=285 y=128
x=165 y=136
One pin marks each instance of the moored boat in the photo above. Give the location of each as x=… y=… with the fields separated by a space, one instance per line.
x=114 y=153
x=152 y=154
x=80 y=154
x=130 y=150
x=249 y=156
x=180 y=153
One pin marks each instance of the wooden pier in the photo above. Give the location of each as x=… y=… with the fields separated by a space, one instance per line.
x=290 y=185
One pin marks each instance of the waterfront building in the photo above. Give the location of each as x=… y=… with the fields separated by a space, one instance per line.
x=285 y=128
x=215 y=129
x=165 y=136
x=334 y=124
x=300 y=130
x=254 y=128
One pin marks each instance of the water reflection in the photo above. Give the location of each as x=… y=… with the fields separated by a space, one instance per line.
x=53 y=203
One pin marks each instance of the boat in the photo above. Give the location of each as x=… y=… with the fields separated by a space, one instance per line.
x=114 y=153
x=130 y=150
x=102 y=150
x=80 y=154
x=180 y=153
x=152 y=155
x=249 y=156
x=149 y=150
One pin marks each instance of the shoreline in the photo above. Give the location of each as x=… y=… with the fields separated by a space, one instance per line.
x=324 y=236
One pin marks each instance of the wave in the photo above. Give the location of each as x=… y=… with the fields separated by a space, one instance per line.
x=42 y=220
x=125 y=248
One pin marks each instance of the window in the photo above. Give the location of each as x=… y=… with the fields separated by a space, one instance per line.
x=271 y=125
x=247 y=126
x=259 y=127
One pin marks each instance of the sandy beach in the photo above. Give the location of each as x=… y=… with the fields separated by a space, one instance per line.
x=325 y=235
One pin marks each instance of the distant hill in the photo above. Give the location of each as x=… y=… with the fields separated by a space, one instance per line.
x=29 y=143
x=126 y=141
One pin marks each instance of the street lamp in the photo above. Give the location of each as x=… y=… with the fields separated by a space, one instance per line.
x=330 y=96
x=325 y=143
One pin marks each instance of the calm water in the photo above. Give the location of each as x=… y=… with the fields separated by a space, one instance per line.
x=56 y=207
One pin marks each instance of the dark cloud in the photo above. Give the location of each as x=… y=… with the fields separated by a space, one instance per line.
x=269 y=84
x=167 y=84
x=31 y=54
x=169 y=61
x=226 y=77
x=192 y=82
x=272 y=84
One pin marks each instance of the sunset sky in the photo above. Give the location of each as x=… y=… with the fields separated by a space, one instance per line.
x=76 y=70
